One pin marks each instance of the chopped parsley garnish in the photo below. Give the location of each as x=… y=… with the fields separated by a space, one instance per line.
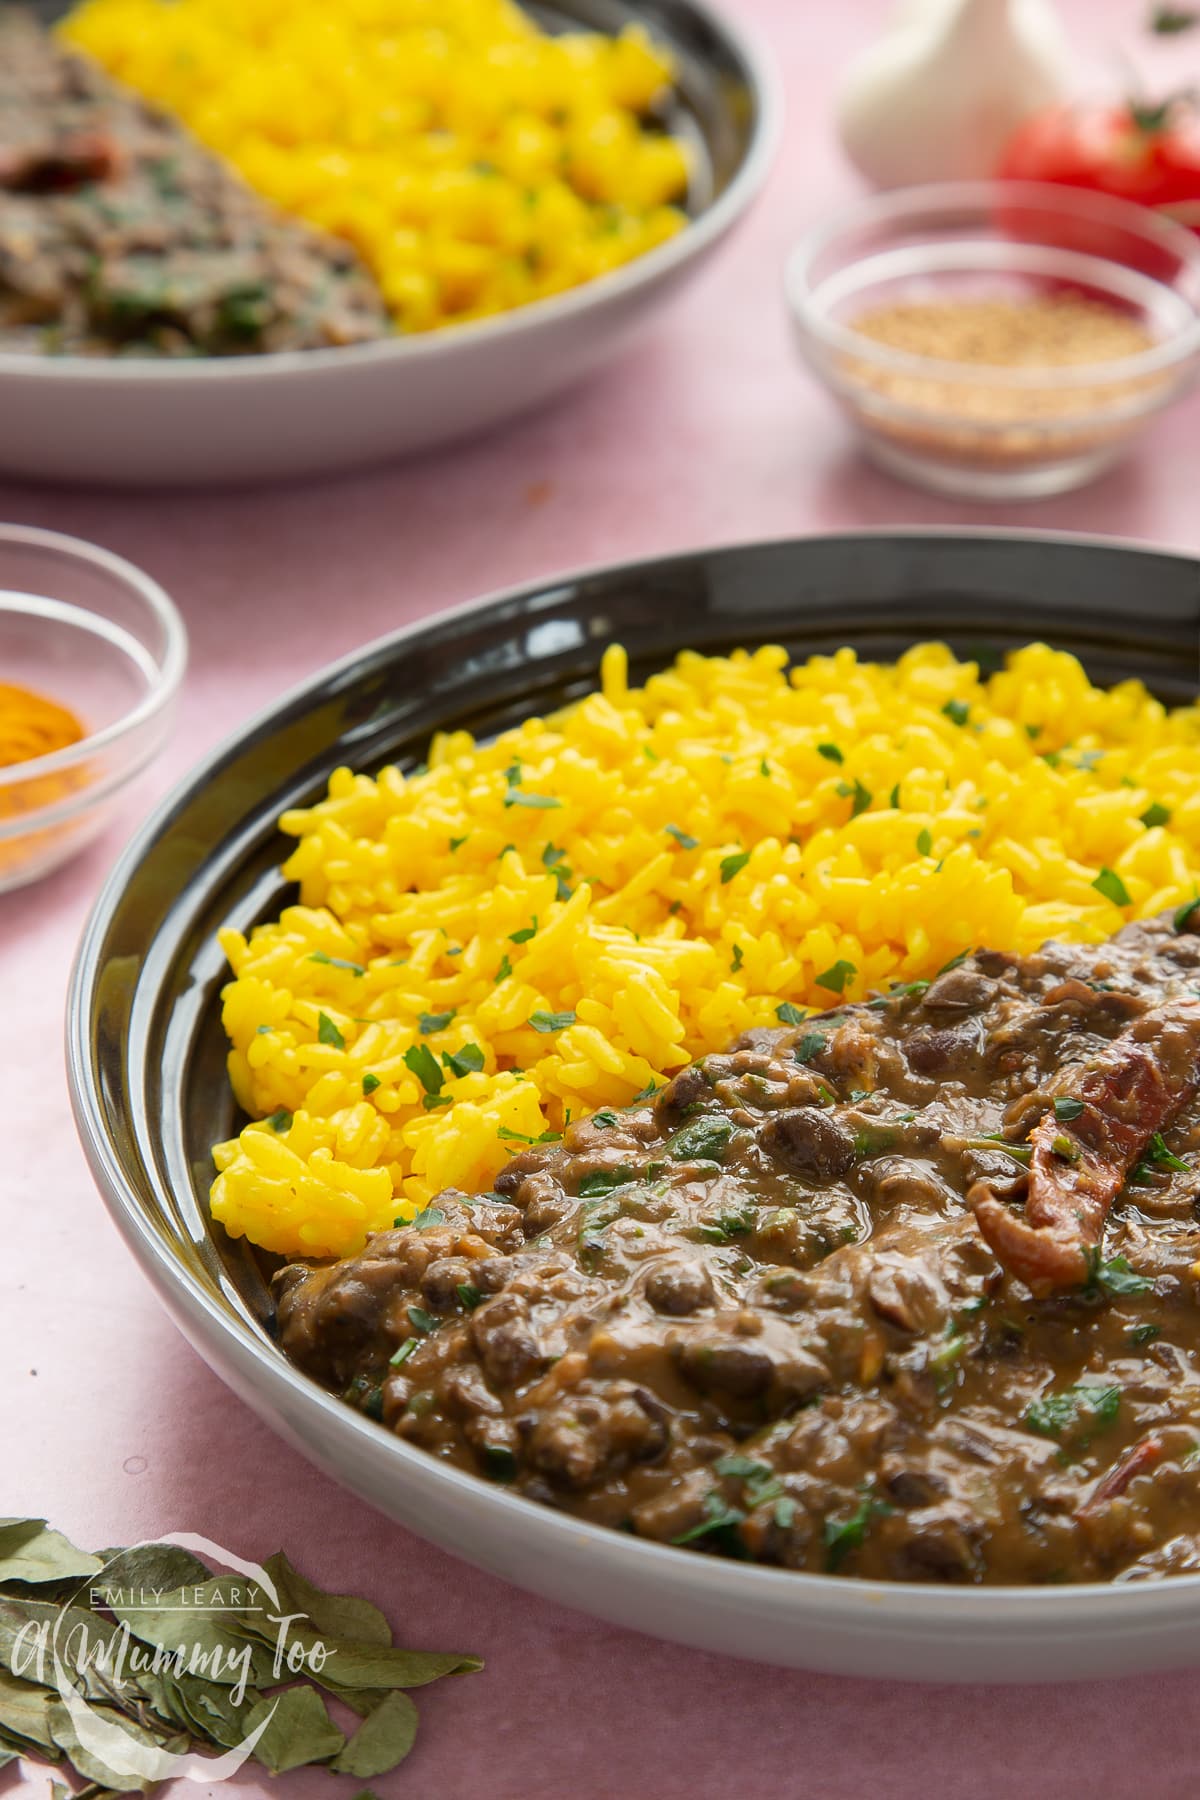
x=469 y=1295
x=859 y=795
x=704 y=1140
x=924 y=842
x=955 y=962
x=681 y=838
x=605 y=1117
x=421 y=1060
x=810 y=1045
x=1183 y=914
x=506 y=1135
x=422 y=1321
x=428 y=1022
x=604 y=1181
x=548 y=1021
x=729 y=1225
x=499 y=1462
x=505 y=969
x=281 y=1120
x=761 y=1481
x=427 y=1217
x=466 y=1061
x=1155 y=814
x=457 y=843
x=526 y=932
x=830 y=752
x=404 y=1352
x=785 y=1513
x=787 y=1014
x=718 y=1517
x=1063 y=1146
x=370 y=1083
x=764 y=767
x=1086 y=1407
x=732 y=864
x=431 y=1102
x=1162 y=1157
x=843 y=1535
x=1066 y=1108
x=957 y=711
x=336 y=962
x=518 y=797
x=328 y=1033
x=835 y=979
x=553 y=860
x=1115 y=1276
x=894 y=796
x=1143 y=1334
x=736 y=962
x=1109 y=883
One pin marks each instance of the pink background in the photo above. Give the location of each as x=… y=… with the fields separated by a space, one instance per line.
x=704 y=433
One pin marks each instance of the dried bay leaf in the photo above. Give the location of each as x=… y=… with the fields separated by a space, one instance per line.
x=384 y=1738
x=30 y=1551
x=300 y=1731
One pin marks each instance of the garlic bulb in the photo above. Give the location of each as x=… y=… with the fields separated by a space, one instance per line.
x=938 y=96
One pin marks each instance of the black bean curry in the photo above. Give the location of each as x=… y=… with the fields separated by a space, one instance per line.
x=907 y=1290
x=120 y=235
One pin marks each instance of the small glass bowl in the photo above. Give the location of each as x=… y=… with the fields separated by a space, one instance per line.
x=86 y=629
x=996 y=431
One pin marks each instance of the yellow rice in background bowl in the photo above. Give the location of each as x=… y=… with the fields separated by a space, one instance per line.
x=554 y=922
x=475 y=161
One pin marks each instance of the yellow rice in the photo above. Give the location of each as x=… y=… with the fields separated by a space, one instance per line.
x=663 y=867
x=475 y=162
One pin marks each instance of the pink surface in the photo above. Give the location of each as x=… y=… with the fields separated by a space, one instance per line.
x=112 y=1427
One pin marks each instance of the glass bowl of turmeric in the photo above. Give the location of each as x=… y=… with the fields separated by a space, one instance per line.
x=998 y=340
x=92 y=652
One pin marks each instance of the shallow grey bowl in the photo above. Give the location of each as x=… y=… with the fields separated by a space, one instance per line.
x=155 y=422
x=146 y=1052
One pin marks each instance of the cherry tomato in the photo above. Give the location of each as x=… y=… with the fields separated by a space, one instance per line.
x=1150 y=155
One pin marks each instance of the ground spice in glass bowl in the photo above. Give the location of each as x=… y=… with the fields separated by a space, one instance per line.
x=91 y=656
x=999 y=340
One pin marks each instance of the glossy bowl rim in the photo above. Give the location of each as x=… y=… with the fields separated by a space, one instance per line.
x=856 y=1601
x=152 y=705
x=644 y=271
x=898 y=204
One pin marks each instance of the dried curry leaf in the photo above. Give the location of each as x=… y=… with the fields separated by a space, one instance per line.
x=31 y=1552
x=93 y=1767
x=152 y=1567
x=197 y=1621
x=25 y=1716
x=355 y=1665
x=384 y=1738
x=300 y=1730
x=339 y=1615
